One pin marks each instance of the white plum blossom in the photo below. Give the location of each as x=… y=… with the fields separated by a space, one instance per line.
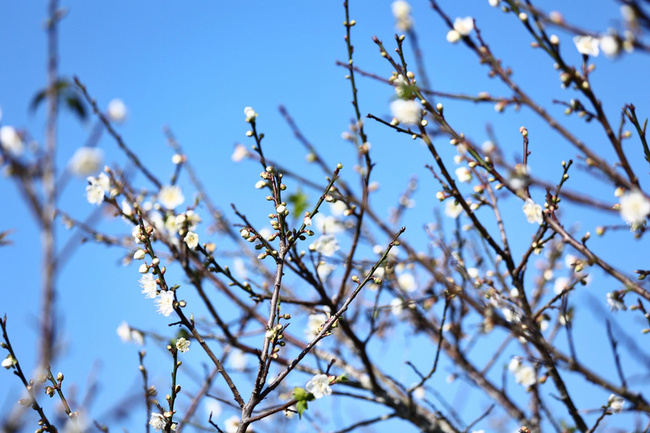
x=324 y=270
x=86 y=161
x=11 y=141
x=494 y=3
x=615 y=301
x=327 y=224
x=615 y=403
x=406 y=112
x=587 y=45
x=189 y=219
x=319 y=385
x=165 y=303
x=97 y=188
x=561 y=284
x=239 y=153
x=8 y=362
x=314 y=323
x=524 y=375
x=182 y=345
x=191 y=239
x=533 y=212
x=610 y=45
x=397 y=306
x=116 y=110
x=463 y=174
x=402 y=13
x=634 y=207
x=406 y=282
x=326 y=245
x=171 y=196
x=128 y=334
x=462 y=27
x=238 y=360
x=157 y=421
x=403 y=89
x=149 y=286
x=232 y=424
x=453 y=209
x=250 y=114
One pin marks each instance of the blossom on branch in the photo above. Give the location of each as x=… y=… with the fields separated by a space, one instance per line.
x=319 y=385
x=587 y=45
x=634 y=208
x=97 y=188
x=406 y=112
x=165 y=303
x=533 y=212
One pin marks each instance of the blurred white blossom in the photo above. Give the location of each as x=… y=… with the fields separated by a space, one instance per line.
x=615 y=403
x=634 y=207
x=11 y=141
x=407 y=112
x=402 y=13
x=116 y=110
x=326 y=245
x=86 y=161
x=171 y=196
x=587 y=45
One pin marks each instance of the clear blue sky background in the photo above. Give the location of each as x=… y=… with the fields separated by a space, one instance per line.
x=194 y=67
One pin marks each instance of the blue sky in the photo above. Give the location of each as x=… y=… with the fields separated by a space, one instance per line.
x=195 y=67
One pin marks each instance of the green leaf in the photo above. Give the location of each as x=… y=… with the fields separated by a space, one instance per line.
x=299 y=201
x=300 y=394
x=301 y=406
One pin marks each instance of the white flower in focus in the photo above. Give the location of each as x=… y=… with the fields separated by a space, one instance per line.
x=402 y=13
x=11 y=141
x=586 y=45
x=326 y=245
x=149 y=286
x=533 y=212
x=463 y=174
x=171 y=196
x=406 y=282
x=232 y=424
x=314 y=323
x=407 y=112
x=239 y=153
x=191 y=239
x=8 y=362
x=615 y=301
x=615 y=403
x=634 y=208
x=86 y=161
x=610 y=46
x=116 y=110
x=182 y=345
x=319 y=385
x=97 y=188
x=157 y=421
x=453 y=209
x=250 y=114
x=165 y=303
